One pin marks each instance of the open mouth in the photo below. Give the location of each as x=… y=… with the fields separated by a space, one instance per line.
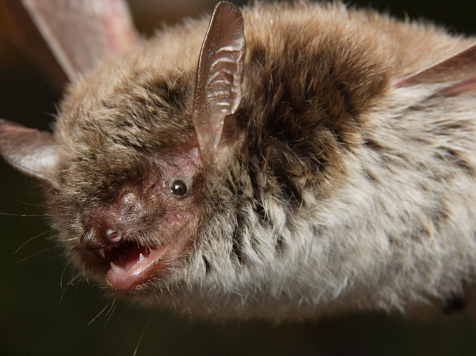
x=130 y=264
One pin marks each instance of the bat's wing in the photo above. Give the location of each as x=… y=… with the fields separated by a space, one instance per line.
x=459 y=69
x=69 y=37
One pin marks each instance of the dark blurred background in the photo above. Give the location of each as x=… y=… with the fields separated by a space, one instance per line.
x=36 y=320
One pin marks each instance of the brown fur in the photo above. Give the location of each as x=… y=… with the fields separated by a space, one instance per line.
x=339 y=67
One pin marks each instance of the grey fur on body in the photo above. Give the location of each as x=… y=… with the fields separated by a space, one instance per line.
x=345 y=192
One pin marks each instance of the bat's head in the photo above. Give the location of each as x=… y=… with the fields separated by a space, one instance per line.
x=129 y=165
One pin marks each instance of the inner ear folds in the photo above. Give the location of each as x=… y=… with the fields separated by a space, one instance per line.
x=218 y=86
x=30 y=151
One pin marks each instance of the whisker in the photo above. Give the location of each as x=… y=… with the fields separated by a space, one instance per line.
x=153 y=185
x=179 y=168
x=25 y=215
x=63 y=293
x=74 y=280
x=30 y=204
x=113 y=302
x=111 y=311
x=102 y=311
x=64 y=270
x=143 y=333
x=83 y=271
x=35 y=254
x=70 y=283
x=34 y=237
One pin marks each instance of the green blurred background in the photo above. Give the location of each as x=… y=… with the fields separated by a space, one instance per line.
x=33 y=321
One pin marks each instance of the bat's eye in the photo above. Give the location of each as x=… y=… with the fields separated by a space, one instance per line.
x=178 y=188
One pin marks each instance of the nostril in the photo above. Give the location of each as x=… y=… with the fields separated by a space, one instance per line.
x=95 y=239
x=113 y=235
x=101 y=231
x=103 y=228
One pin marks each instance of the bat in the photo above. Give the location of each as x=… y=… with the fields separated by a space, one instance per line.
x=278 y=161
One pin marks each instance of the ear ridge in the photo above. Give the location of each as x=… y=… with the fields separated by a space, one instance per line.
x=218 y=86
x=30 y=151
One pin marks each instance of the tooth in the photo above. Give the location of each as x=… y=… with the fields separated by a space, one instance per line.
x=101 y=252
x=141 y=257
x=117 y=270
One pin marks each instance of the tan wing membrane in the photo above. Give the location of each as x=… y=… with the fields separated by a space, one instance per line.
x=458 y=67
x=77 y=34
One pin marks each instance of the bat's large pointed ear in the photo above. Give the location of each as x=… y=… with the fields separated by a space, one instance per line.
x=218 y=86
x=30 y=151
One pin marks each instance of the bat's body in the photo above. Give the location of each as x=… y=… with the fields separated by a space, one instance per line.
x=302 y=168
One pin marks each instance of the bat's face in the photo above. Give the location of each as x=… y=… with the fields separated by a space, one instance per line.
x=126 y=188
x=126 y=165
x=125 y=216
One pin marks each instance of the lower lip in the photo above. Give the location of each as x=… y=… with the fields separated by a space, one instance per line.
x=137 y=275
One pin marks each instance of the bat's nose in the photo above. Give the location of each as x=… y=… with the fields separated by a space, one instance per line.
x=110 y=224
x=101 y=231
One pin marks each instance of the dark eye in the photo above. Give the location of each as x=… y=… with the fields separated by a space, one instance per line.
x=178 y=188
